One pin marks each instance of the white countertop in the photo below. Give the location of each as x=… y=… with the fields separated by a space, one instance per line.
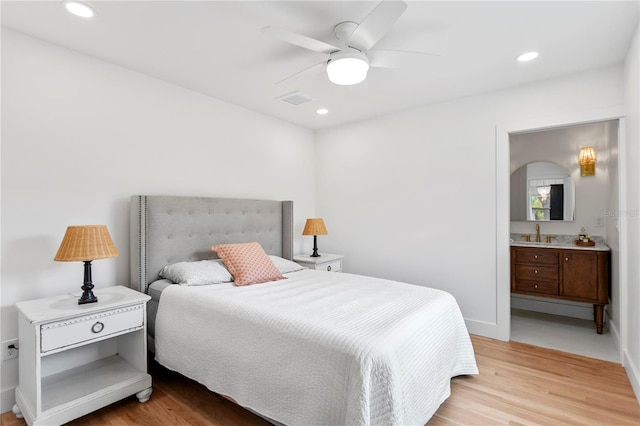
x=597 y=247
x=558 y=241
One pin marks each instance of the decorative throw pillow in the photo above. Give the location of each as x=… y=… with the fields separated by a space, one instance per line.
x=248 y=263
x=199 y=272
x=284 y=265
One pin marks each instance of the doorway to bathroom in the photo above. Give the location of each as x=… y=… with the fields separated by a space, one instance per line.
x=563 y=325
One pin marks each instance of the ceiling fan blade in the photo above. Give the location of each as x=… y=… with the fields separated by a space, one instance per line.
x=299 y=40
x=400 y=59
x=376 y=24
x=313 y=68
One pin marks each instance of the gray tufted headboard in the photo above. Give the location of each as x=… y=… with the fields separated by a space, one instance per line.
x=169 y=229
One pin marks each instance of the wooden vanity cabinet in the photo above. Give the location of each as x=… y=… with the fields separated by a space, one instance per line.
x=576 y=275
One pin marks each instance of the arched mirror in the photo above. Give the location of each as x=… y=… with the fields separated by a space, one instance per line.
x=542 y=191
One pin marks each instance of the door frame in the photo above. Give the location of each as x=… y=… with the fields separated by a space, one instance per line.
x=503 y=263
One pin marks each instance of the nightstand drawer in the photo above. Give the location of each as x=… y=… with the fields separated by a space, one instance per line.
x=330 y=266
x=324 y=262
x=69 y=332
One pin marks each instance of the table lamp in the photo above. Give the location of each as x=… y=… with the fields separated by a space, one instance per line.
x=315 y=227
x=84 y=244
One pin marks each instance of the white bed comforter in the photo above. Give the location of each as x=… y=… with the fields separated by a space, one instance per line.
x=319 y=348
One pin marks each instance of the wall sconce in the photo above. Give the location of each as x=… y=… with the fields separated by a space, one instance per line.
x=587 y=160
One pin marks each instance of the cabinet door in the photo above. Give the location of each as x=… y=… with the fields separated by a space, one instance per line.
x=579 y=275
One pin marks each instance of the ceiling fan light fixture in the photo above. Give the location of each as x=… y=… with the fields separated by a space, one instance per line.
x=347 y=68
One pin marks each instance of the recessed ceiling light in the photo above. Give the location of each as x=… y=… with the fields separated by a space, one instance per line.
x=79 y=9
x=322 y=111
x=527 y=56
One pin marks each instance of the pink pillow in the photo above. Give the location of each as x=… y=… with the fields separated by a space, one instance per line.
x=248 y=263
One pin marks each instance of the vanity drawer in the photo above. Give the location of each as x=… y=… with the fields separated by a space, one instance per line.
x=69 y=332
x=539 y=256
x=542 y=287
x=534 y=272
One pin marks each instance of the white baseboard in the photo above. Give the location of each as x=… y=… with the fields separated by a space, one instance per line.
x=615 y=336
x=633 y=373
x=554 y=307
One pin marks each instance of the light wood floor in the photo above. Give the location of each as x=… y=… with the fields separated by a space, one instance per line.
x=518 y=384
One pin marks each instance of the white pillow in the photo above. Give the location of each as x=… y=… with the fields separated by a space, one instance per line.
x=199 y=272
x=285 y=266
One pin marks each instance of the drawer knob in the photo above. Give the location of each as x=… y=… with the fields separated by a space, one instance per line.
x=329 y=268
x=566 y=259
x=97 y=327
x=535 y=286
x=535 y=271
x=535 y=257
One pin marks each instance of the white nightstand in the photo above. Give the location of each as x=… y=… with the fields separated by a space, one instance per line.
x=75 y=359
x=326 y=262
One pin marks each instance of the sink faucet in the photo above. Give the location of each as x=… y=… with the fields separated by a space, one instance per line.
x=538 y=233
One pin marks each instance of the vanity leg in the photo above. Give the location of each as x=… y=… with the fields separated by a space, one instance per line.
x=599 y=314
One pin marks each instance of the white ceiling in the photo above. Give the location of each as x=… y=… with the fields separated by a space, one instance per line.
x=216 y=47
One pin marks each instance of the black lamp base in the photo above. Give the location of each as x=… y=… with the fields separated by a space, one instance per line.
x=87 y=286
x=315 y=247
x=87 y=297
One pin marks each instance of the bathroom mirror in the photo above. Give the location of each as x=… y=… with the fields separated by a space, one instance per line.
x=542 y=191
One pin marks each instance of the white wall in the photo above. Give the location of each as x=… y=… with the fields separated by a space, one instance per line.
x=630 y=214
x=80 y=136
x=412 y=196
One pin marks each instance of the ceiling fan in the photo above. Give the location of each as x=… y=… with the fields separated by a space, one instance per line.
x=349 y=62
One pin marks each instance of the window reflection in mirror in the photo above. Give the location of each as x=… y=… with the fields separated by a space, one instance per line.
x=542 y=191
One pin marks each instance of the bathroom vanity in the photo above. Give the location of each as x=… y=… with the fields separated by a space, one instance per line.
x=579 y=274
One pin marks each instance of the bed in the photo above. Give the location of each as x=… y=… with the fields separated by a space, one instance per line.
x=313 y=348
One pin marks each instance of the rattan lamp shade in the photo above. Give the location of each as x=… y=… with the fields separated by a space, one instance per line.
x=84 y=243
x=315 y=227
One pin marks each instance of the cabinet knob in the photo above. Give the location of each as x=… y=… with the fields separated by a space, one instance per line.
x=566 y=259
x=97 y=327
x=535 y=271
x=329 y=268
x=535 y=286
x=535 y=257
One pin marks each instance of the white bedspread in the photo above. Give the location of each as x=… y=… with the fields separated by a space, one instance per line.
x=319 y=348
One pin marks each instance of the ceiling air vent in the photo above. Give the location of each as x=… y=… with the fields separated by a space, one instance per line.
x=296 y=98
